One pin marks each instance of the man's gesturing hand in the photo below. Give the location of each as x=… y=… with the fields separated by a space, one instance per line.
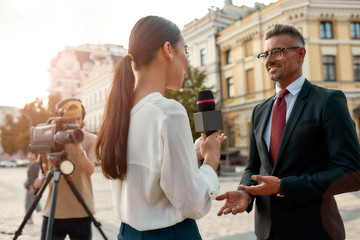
x=269 y=185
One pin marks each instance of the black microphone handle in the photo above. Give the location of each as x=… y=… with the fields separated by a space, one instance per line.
x=208 y=133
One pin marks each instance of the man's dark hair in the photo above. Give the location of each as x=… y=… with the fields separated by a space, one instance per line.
x=278 y=29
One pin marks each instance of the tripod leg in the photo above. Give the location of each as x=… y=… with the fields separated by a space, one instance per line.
x=48 y=177
x=81 y=200
x=53 y=205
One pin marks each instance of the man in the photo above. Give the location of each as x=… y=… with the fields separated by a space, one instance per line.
x=32 y=173
x=70 y=216
x=294 y=172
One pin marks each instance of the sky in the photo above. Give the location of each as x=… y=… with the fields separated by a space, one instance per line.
x=33 y=32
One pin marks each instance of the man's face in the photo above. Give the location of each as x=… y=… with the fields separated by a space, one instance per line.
x=286 y=69
x=77 y=117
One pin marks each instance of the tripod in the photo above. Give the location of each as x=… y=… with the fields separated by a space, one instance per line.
x=56 y=171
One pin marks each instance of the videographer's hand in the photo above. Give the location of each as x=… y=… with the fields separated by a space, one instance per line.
x=38 y=182
x=84 y=162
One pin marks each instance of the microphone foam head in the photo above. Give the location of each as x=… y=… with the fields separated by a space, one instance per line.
x=206 y=101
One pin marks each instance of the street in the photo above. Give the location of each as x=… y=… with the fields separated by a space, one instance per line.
x=212 y=227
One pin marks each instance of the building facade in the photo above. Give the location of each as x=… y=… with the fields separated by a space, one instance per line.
x=86 y=72
x=332 y=35
x=200 y=36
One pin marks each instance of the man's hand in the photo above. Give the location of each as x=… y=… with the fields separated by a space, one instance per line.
x=269 y=185
x=236 y=202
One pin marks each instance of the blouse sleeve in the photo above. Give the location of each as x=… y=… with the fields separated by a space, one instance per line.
x=187 y=187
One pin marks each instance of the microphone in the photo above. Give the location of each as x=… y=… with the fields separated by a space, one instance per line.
x=207 y=119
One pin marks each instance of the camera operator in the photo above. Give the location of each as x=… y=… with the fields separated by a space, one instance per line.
x=70 y=217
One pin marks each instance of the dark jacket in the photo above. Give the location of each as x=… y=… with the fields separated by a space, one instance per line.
x=319 y=156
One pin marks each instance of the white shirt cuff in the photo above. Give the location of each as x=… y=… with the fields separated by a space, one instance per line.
x=211 y=179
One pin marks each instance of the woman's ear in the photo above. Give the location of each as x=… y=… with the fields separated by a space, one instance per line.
x=168 y=51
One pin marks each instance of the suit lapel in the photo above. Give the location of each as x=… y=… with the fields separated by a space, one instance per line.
x=293 y=119
x=264 y=114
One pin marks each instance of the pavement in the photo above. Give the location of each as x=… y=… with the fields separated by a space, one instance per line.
x=212 y=227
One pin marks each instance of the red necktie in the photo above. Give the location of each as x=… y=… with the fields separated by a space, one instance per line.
x=278 y=122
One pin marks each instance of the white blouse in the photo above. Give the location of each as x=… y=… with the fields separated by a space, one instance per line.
x=163 y=185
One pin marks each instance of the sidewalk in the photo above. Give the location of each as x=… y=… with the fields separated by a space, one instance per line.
x=212 y=227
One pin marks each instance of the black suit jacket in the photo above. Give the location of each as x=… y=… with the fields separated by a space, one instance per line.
x=319 y=156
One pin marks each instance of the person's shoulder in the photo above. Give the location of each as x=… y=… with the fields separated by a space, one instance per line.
x=168 y=106
x=88 y=135
x=324 y=92
x=34 y=165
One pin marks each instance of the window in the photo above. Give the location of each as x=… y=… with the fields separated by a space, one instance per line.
x=87 y=67
x=248 y=48
x=326 y=30
x=90 y=124
x=228 y=56
x=250 y=81
x=357 y=68
x=231 y=136
x=230 y=87
x=202 y=57
x=355 y=30
x=329 y=68
x=95 y=125
x=68 y=66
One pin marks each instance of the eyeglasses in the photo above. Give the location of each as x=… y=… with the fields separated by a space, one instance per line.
x=276 y=53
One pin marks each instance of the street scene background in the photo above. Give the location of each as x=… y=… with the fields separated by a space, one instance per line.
x=212 y=227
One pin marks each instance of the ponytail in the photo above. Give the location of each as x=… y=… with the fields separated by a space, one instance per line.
x=111 y=143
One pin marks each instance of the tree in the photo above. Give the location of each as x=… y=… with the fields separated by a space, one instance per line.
x=187 y=95
x=8 y=141
x=15 y=135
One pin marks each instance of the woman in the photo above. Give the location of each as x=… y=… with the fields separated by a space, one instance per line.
x=145 y=143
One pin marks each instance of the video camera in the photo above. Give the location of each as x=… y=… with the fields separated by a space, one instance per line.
x=52 y=136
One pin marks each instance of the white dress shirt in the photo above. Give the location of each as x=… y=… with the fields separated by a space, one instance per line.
x=163 y=185
x=294 y=89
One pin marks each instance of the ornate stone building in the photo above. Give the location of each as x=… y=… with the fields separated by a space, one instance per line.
x=332 y=33
x=85 y=72
x=200 y=36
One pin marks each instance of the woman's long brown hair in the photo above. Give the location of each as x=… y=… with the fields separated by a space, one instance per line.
x=146 y=37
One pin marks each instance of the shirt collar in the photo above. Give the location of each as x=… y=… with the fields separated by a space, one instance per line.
x=294 y=88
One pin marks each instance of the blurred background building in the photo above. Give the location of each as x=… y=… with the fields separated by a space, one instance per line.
x=85 y=72
x=332 y=34
x=201 y=35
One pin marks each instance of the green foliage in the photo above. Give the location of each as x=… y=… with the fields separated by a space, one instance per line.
x=15 y=135
x=187 y=95
x=8 y=140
